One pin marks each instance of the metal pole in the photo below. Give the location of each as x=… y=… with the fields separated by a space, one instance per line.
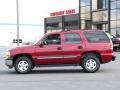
x=79 y=14
x=17 y=7
x=63 y=21
x=91 y=14
x=109 y=16
x=45 y=26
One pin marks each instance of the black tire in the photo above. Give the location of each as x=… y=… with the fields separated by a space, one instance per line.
x=90 y=63
x=23 y=65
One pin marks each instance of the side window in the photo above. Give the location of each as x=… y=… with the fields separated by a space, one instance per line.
x=96 y=36
x=53 y=39
x=72 y=38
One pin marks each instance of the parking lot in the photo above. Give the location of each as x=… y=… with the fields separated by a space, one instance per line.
x=61 y=78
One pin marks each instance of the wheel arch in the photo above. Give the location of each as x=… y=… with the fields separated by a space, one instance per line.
x=22 y=54
x=92 y=52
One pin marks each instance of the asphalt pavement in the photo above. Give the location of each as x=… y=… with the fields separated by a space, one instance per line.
x=61 y=78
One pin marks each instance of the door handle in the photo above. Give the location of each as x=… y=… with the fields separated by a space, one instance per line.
x=80 y=47
x=59 y=48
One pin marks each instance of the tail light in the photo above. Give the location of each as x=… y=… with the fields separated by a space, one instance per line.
x=111 y=46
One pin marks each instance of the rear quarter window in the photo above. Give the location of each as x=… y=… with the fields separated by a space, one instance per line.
x=96 y=36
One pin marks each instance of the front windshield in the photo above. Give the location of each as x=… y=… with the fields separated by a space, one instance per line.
x=36 y=41
x=31 y=42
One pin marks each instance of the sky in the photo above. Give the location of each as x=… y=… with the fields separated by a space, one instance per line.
x=31 y=17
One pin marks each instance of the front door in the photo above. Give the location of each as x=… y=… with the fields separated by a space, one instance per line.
x=50 y=52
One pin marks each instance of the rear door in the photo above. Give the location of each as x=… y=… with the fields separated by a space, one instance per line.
x=72 y=47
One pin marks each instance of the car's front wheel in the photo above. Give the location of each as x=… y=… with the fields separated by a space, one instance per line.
x=23 y=65
x=90 y=63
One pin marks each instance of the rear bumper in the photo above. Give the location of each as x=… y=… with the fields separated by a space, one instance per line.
x=108 y=58
x=113 y=58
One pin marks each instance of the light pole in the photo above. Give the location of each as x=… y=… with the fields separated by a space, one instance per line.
x=17 y=9
x=79 y=14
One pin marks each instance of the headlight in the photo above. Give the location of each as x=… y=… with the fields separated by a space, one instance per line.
x=7 y=55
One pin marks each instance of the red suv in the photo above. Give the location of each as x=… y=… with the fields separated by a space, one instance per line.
x=87 y=48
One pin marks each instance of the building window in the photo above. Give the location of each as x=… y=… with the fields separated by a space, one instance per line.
x=100 y=16
x=82 y=24
x=102 y=4
x=51 y=26
x=113 y=14
x=118 y=32
x=85 y=2
x=113 y=31
x=113 y=24
x=117 y=4
x=87 y=24
x=94 y=4
x=105 y=27
x=99 y=4
x=118 y=13
x=118 y=23
x=113 y=4
x=71 y=23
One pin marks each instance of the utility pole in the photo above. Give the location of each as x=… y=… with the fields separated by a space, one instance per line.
x=109 y=16
x=79 y=14
x=17 y=10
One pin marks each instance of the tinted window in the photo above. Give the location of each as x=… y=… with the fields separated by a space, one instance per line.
x=72 y=38
x=53 y=39
x=96 y=36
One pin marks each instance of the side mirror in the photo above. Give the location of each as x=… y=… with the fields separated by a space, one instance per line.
x=41 y=44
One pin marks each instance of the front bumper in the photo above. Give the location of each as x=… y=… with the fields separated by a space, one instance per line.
x=113 y=58
x=9 y=62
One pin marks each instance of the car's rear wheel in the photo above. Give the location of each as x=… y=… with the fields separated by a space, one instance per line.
x=90 y=63
x=23 y=65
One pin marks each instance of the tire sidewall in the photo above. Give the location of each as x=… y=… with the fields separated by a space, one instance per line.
x=23 y=58
x=86 y=58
